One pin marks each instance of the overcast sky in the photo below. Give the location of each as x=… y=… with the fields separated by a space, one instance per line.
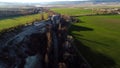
x=36 y=0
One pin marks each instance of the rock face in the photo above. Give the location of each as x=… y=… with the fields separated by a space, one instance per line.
x=30 y=42
x=34 y=62
x=15 y=54
x=38 y=47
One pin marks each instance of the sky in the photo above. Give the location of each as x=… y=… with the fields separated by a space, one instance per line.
x=36 y=0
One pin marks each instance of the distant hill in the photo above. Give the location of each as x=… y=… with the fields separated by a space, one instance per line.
x=62 y=3
x=82 y=2
x=105 y=0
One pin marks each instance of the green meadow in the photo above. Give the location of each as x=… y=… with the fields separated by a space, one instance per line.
x=98 y=39
x=14 y=21
x=73 y=11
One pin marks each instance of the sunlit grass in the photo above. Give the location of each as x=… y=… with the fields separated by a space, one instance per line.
x=96 y=37
x=73 y=11
x=6 y=23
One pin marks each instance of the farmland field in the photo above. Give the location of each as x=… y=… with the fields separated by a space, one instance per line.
x=73 y=11
x=8 y=22
x=98 y=39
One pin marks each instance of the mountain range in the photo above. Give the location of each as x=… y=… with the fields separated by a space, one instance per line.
x=64 y=2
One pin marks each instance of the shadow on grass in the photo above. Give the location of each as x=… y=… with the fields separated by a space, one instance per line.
x=10 y=17
x=94 y=41
x=80 y=21
x=13 y=17
x=96 y=59
x=79 y=28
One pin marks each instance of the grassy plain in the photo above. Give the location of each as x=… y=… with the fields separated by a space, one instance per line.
x=9 y=22
x=73 y=11
x=98 y=39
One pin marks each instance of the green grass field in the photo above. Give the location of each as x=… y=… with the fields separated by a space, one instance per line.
x=98 y=39
x=73 y=11
x=9 y=22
